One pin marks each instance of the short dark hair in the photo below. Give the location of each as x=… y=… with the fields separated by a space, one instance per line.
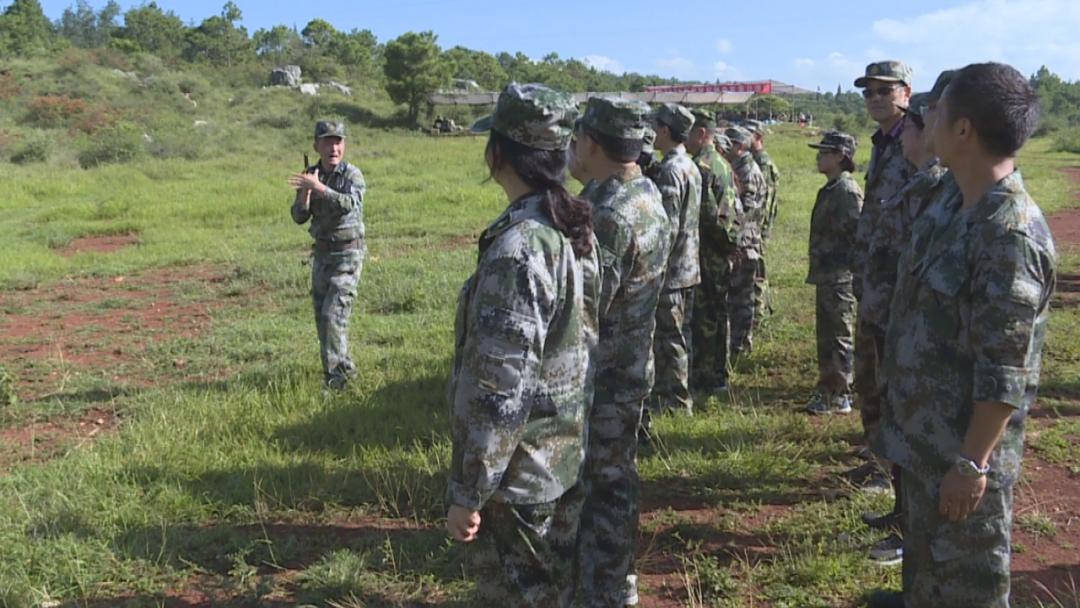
x=1001 y=104
x=616 y=148
x=679 y=138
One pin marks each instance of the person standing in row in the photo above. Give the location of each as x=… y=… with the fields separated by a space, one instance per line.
x=963 y=347
x=680 y=188
x=634 y=234
x=832 y=239
x=762 y=305
x=331 y=195
x=522 y=379
x=718 y=237
x=887 y=242
x=752 y=189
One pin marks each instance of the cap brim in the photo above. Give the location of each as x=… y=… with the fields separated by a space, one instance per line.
x=863 y=80
x=483 y=125
x=824 y=147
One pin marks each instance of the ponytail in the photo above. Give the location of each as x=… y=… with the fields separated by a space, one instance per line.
x=545 y=172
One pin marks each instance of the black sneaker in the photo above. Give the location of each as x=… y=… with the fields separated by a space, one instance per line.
x=885 y=599
x=877 y=521
x=889 y=551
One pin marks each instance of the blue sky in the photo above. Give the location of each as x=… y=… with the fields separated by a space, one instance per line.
x=784 y=40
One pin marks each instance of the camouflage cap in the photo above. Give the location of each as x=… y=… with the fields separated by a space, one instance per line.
x=722 y=142
x=648 y=140
x=675 y=117
x=532 y=115
x=918 y=104
x=739 y=135
x=755 y=127
x=703 y=119
x=616 y=117
x=886 y=71
x=942 y=81
x=838 y=141
x=327 y=128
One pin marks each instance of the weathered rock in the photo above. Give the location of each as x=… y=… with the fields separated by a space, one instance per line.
x=344 y=90
x=286 y=76
x=309 y=89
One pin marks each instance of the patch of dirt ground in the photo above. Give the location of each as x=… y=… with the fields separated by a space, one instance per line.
x=1046 y=532
x=100 y=325
x=107 y=243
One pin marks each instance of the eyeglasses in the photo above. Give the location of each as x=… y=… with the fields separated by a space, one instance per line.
x=880 y=91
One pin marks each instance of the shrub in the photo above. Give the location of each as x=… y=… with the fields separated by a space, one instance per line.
x=120 y=143
x=52 y=111
x=1068 y=140
x=8 y=397
x=190 y=144
x=33 y=149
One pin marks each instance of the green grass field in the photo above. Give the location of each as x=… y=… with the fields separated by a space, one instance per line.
x=230 y=481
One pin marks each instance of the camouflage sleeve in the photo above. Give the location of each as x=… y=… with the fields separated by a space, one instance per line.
x=348 y=197
x=616 y=254
x=671 y=195
x=847 y=218
x=505 y=329
x=1007 y=287
x=300 y=212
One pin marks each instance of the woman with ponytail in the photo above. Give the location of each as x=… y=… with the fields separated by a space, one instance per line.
x=522 y=380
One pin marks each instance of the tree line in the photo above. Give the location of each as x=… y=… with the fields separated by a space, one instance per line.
x=409 y=67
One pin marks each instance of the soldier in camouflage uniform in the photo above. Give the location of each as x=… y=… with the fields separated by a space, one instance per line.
x=886 y=88
x=832 y=238
x=522 y=382
x=647 y=160
x=331 y=195
x=718 y=237
x=634 y=234
x=772 y=180
x=680 y=188
x=752 y=189
x=967 y=324
x=887 y=242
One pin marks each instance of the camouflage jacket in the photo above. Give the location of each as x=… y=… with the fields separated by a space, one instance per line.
x=752 y=191
x=719 y=202
x=889 y=238
x=967 y=323
x=886 y=174
x=522 y=380
x=680 y=188
x=634 y=233
x=772 y=180
x=337 y=214
x=832 y=230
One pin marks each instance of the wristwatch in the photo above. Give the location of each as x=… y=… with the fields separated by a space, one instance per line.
x=969 y=468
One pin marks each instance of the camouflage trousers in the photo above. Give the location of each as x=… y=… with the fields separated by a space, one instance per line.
x=869 y=350
x=609 y=522
x=959 y=565
x=334 y=281
x=744 y=270
x=834 y=319
x=709 y=361
x=762 y=307
x=671 y=347
x=524 y=555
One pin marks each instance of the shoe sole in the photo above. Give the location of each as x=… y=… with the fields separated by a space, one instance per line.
x=886 y=563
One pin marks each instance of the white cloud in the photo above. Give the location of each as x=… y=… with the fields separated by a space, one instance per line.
x=603 y=63
x=1024 y=33
x=724 y=45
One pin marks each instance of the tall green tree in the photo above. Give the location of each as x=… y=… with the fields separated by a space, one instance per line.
x=414 y=68
x=279 y=44
x=87 y=29
x=24 y=28
x=479 y=66
x=219 y=40
x=150 y=29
